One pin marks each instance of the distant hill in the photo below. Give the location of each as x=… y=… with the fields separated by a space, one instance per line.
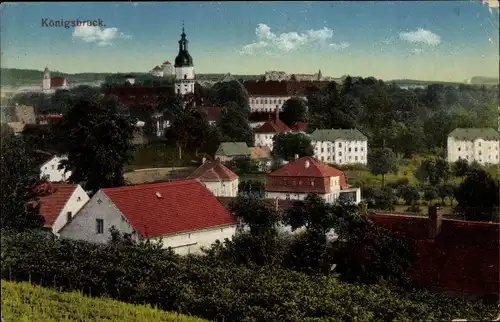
x=13 y=77
x=415 y=82
x=482 y=80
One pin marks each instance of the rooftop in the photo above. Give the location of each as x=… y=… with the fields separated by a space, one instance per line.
x=52 y=199
x=213 y=171
x=471 y=134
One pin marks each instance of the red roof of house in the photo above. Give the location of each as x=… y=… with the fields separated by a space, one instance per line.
x=281 y=88
x=213 y=171
x=309 y=167
x=273 y=126
x=53 y=197
x=57 y=81
x=463 y=257
x=166 y=62
x=166 y=208
x=50 y=117
x=299 y=127
x=212 y=112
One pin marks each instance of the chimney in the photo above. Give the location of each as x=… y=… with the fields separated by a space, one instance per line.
x=203 y=160
x=277 y=112
x=307 y=164
x=435 y=219
x=296 y=156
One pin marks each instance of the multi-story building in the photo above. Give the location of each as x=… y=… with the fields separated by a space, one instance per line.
x=295 y=180
x=340 y=146
x=264 y=134
x=474 y=144
x=221 y=181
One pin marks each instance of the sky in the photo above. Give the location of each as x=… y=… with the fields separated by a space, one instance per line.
x=431 y=40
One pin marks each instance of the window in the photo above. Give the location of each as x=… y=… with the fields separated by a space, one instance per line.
x=349 y=149
x=279 y=101
x=68 y=216
x=355 y=149
x=356 y=158
x=185 y=76
x=480 y=152
x=99 y=226
x=340 y=154
x=53 y=167
x=479 y=143
x=265 y=101
x=79 y=199
x=340 y=145
x=222 y=230
x=189 y=235
x=322 y=149
x=459 y=149
x=287 y=196
x=275 y=102
x=322 y=158
x=361 y=149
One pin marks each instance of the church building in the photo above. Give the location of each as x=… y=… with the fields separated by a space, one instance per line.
x=51 y=84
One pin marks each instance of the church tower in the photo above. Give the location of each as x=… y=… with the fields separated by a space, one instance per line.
x=46 y=80
x=184 y=70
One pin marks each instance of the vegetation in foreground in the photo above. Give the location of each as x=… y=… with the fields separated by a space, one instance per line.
x=26 y=302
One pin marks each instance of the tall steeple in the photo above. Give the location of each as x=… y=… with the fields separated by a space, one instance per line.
x=183 y=59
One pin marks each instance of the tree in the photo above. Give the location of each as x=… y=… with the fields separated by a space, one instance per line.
x=294 y=110
x=460 y=168
x=382 y=199
x=287 y=145
x=252 y=187
x=381 y=162
x=430 y=193
x=443 y=170
x=189 y=130
x=19 y=177
x=233 y=125
x=409 y=193
x=432 y=170
x=232 y=91
x=478 y=196
x=144 y=113
x=97 y=141
x=445 y=190
x=243 y=165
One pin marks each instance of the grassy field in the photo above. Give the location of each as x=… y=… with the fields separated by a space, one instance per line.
x=26 y=302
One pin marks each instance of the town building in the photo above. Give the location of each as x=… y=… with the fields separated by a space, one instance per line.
x=52 y=84
x=49 y=119
x=340 y=146
x=184 y=69
x=59 y=203
x=157 y=71
x=295 y=180
x=221 y=181
x=263 y=157
x=227 y=151
x=49 y=170
x=264 y=135
x=183 y=215
x=474 y=144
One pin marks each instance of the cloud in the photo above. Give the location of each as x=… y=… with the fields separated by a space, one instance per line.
x=98 y=35
x=421 y=36
x=268 y=42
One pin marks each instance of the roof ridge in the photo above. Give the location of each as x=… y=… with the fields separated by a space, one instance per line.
x=143 y=186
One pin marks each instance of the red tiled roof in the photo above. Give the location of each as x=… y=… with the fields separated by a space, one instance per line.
x=50 y=117
x=299 y=127
x=183 y=205
x=274 y=126
x=166 y=62
x=315 y=169
x=53 y=197
x=281 y=88
x=212 y=112
x=57 y=81
x=464 y=257
x=213 y=171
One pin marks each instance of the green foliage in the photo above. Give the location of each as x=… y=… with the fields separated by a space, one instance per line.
x=380 y=198
x=232 y=91
x=381 y=162
x=409 y=193
x=97 y=141
x=143 y=273
x=445 y=190
x=242 y=165
x=430 y=193
x=460 y=168
x=26 y=302
x=233 y=124
x=478 y=196
x=287 y=145
x=20 y=174
x=294 y=110
x=252 y=187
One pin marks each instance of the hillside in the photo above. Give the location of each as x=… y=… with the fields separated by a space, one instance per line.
x=26 y=302
x=13 y=77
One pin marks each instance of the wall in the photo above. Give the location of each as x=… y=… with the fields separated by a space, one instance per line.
x=192 y=242
x=355 y=192
x=77 y=200
x=50 y=169
x=184 y=73
x=84 y=227
x=264 y=139
x=267 y=103
x=479 y=150
x=329 y=197
x=341 y=151
x=223 y=188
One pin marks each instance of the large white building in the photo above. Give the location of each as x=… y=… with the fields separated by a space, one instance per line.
x=340 y=146
x=183 y=215
x=50 y=170
x=474 y=144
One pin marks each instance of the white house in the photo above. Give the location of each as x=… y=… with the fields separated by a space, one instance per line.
x=340 y=146
x=474 y=144
x=295 y=180
x=221 y=181
x=183 y=215
x=50 y=170
x=264 y=135
x=59 y=203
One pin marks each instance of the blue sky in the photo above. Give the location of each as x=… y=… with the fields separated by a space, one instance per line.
x=432 y=40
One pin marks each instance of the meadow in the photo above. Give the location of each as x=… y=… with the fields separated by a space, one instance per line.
x=26 y=302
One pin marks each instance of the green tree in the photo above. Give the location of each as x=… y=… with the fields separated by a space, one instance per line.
x=242 y=165
x=252 y=187
x=97 y=141
x=429 y=171
x=294 y=110
x=460 y=168
x=381 y=162
x=430 y=193
x=232 y=91
x=287 y=145
x=478 y=196
x=233 y=124
x=381 y=199
x=409 y=194
x=19 y=177
x=444 y=191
